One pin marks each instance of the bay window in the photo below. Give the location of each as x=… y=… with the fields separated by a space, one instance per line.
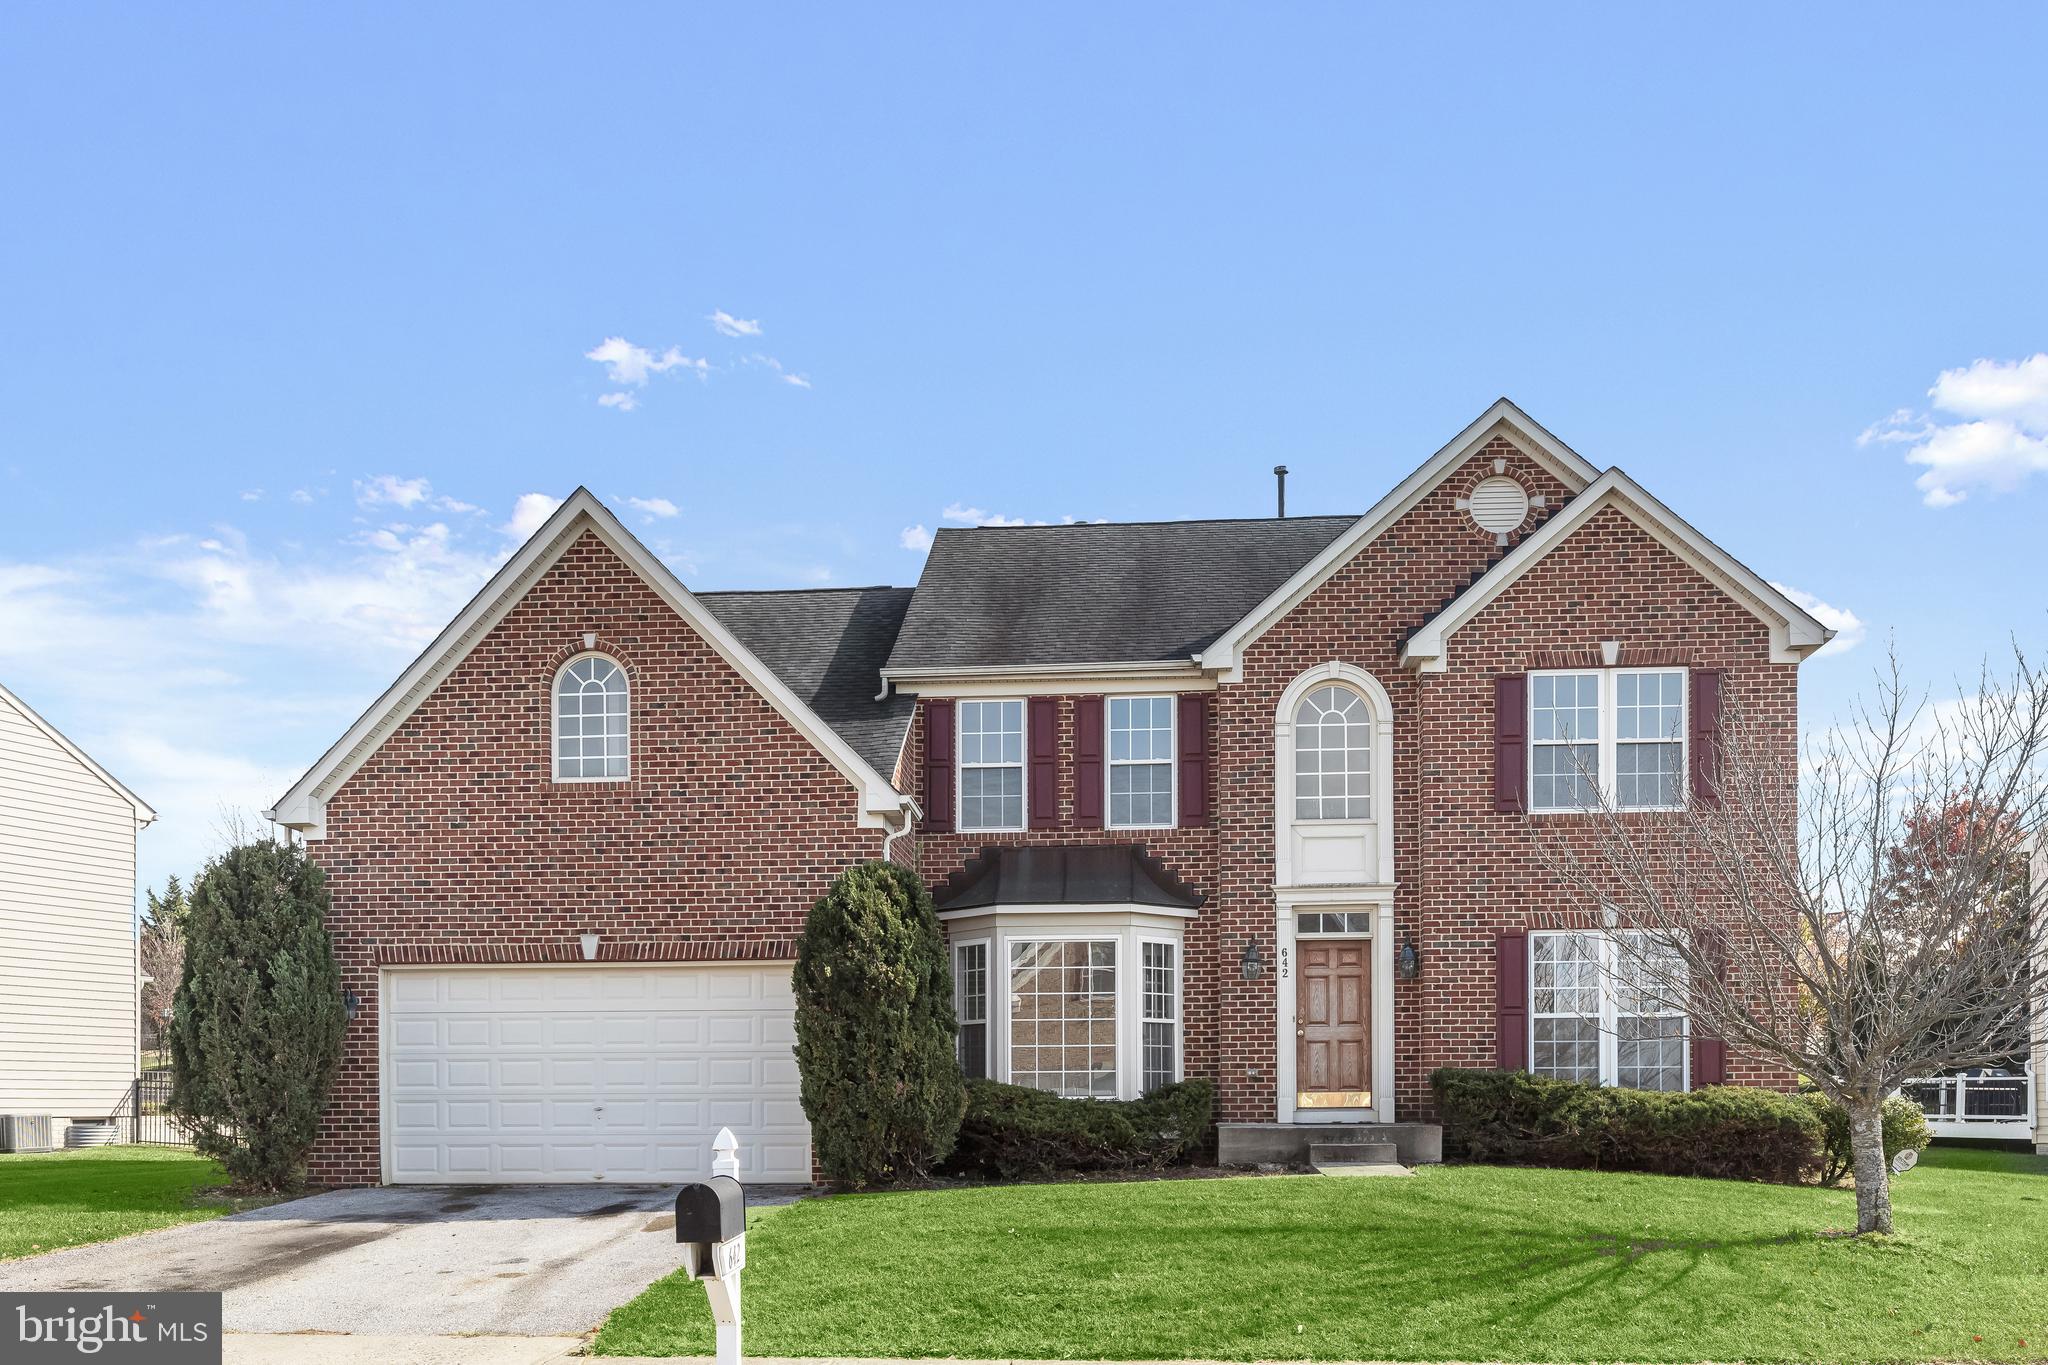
x=1063 y=1016
x=1613 y=735
x=970 y=1007
x=1601 y=1009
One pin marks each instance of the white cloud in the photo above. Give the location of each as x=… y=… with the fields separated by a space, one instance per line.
x=529 y=512
x=1848 y=627
x=252 y=495
x=797 y=380
x=625 y=363
x=622 y=400
x=976 y=516
x=389 y=489
x=915 y=538
x=783 y=373
x=1997 y=443
x=301 y=496
x=652 y=508
x=728 y=325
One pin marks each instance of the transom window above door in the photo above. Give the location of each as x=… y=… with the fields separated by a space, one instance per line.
x=991 y=765
x=1332 y=756
x=591 y=719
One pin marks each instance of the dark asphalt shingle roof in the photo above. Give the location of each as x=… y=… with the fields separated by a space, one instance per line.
x=827 y=646
x=1067 y=874
x=1098 y=593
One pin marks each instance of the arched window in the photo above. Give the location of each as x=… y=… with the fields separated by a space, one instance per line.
x=590 y=720
x=1332 y=756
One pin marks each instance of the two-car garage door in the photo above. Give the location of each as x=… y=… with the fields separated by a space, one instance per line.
x=571 y=1074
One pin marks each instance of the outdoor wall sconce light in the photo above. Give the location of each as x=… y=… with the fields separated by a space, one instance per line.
x=1408 y=963
x=1252 y=966
x=590 y=947
x=350 y=1003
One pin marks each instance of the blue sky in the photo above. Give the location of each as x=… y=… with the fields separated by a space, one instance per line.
x=297 y=307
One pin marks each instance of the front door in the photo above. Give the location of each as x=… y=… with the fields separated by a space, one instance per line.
x=1332 y=1067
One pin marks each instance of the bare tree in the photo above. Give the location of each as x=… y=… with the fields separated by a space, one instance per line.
x=1861 y=918
x=161 y=948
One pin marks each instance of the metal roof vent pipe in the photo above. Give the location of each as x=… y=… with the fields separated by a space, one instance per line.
x=1280 y=474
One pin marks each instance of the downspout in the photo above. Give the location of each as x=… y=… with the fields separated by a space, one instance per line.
x=893 y=835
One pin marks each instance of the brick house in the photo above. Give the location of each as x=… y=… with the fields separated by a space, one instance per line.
x=1250 y=800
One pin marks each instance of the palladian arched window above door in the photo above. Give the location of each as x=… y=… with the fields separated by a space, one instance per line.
x=1333 y=738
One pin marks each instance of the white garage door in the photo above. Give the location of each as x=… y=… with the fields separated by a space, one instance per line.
x=564 y=1074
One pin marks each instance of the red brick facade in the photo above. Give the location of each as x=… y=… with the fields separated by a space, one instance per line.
x=453 y=844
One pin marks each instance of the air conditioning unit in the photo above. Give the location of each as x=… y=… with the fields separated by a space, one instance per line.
x=28 y=1133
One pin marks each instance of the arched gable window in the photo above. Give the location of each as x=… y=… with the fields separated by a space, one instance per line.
x=1332 y=756
x=590 y=720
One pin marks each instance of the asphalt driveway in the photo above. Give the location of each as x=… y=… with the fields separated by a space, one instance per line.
x=525 y=1260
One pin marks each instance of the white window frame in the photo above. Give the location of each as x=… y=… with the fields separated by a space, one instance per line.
x=555 y=718
x=1372 y=740
x=1606 y=956
x=1022 y=765
x=1180 y=975
x=988 y=998
x=1110 y=763
x=1606 y=780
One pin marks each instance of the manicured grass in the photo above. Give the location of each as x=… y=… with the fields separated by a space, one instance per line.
x=62 y=1199
x=1458 y=1263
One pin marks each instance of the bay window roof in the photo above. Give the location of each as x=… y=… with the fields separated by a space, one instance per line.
x=1074 y=874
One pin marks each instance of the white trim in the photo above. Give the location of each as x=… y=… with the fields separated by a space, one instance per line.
x=1171 y=762
x=1382 y=707
x=1170 y=912
x=1022 y=765
x=304 y=806
x=987 y=944
x=1179 y=1020
x=1380 y=901
x=144 y=814
x=1794 y=632
x=1502 y=418
x=1062 y=674
x=555 y=718
x=1065 y=685
x=1609 y=741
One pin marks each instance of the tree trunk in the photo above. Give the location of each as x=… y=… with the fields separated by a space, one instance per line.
x=1873 y=1176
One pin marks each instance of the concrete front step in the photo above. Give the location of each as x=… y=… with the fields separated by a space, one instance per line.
x=1287 y=1144
x=1363 y=1168
x=1322 y=1154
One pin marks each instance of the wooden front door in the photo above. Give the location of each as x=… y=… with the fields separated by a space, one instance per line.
x=1332 y=1032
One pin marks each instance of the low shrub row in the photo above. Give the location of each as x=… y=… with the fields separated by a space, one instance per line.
x=1730 y=1132
x=1011 y=1131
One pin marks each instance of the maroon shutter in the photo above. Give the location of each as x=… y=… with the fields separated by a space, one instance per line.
x=1088 y=762
x=1510 y=742
x=1511 y=1002
x=938 y=765
x=1710 y=1055
x=1706 y=736
x=1044 y=734
x=1194 y=759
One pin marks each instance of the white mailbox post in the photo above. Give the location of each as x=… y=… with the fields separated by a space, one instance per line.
x=711 y=1224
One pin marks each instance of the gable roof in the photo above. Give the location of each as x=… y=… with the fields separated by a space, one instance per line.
x=304 y=806
x=144 y=813
x=1794 y=631
x=1503 y=418
x=828 y=646
x=1017 y=597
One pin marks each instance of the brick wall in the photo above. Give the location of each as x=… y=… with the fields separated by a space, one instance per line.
x=453 y=844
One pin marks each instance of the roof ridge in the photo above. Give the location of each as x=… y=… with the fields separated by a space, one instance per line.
x=1169 y=521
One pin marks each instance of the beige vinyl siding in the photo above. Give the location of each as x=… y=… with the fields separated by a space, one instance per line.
x=67 y=929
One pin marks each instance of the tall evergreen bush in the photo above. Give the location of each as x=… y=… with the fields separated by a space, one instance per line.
x=874 y=1029
x=255 y=1033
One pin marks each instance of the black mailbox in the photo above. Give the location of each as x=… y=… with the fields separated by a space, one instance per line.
x=710 y=1212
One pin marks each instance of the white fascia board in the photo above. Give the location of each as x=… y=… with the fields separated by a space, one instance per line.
x=1573 y=470
x=144 y=813
x=1054 y=680
x=304 y=806
x=1794 y=632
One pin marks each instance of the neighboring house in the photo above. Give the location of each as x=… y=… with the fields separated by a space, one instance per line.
x=1248 y=800
x=68 y=1006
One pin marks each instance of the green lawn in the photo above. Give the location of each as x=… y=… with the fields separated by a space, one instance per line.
x=1459 y=1263
x=61 y=1199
